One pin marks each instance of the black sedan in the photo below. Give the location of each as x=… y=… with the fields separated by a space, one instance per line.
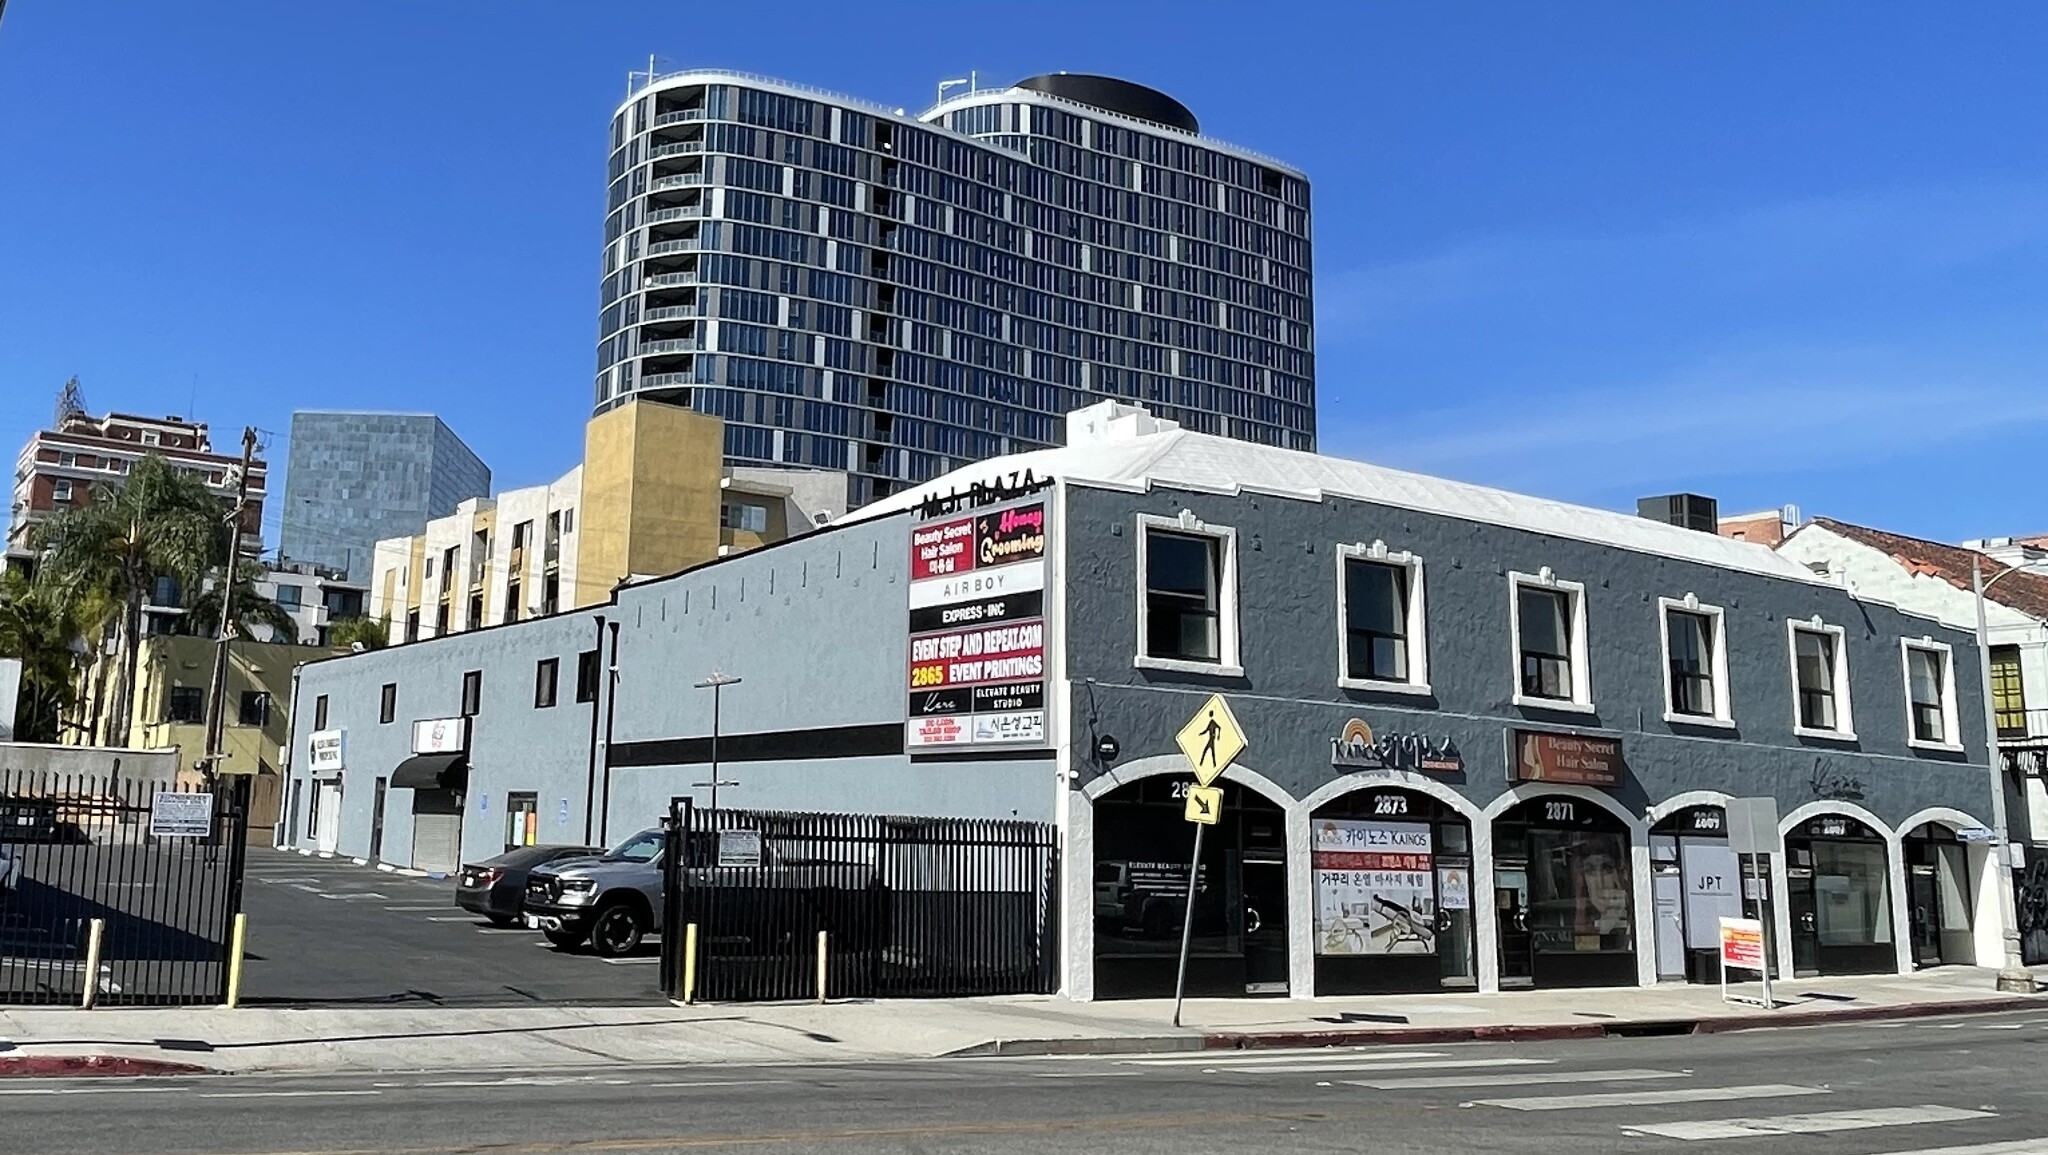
x=497 y=887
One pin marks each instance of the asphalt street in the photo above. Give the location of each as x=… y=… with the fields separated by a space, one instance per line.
x=1967 y=1086
x=325 y=930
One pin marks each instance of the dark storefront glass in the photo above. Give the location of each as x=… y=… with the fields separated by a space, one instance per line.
x=1838 y=888
x=1142 y=850
x=1563 y=895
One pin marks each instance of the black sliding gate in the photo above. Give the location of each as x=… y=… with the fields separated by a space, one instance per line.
x=910 y=907
x=78 y=849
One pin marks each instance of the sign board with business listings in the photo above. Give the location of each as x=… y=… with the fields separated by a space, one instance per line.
x=978 y=645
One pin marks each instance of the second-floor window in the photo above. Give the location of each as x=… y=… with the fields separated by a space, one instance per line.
x=544 y=676
x=255 y=708
x=472 y=693
x=587 y=672
x=1380 y=600
x=1695 y=662
x=387 y=703
x=1189 y=618
x=1820 y=680
x=1930 y=699
x=320 y=712
x=2008 y=693
x=1549 y=627
x=187 y=704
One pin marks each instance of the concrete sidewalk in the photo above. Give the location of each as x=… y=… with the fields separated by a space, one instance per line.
x=35 y=1040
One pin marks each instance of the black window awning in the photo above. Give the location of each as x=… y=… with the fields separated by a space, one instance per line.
x=432 y=772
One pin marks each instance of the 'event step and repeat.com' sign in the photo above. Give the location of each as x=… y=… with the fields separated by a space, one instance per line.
x=977 y=628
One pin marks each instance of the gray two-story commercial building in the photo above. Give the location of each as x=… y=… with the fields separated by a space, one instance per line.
x=1488 y=738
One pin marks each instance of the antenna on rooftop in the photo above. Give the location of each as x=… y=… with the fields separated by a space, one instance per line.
x=70 y=402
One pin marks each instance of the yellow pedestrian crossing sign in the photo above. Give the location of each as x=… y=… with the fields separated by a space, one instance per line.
x=1205 y=804
x=1211 y=739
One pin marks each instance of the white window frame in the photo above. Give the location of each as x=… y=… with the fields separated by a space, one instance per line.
x=1717 y=661
x=1417 y=622
x=1229 y=657
x=60 y=489
x=1845 y=714
x=1951 y=723
x=1581 y=701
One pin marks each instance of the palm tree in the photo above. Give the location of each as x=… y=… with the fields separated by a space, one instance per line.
x=370 y=633
x=40 y=633
x=158 y=522
x=202 y=614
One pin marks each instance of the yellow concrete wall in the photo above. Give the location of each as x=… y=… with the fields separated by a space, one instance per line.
x=651 y=493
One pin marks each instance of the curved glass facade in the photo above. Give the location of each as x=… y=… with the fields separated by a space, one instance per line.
x=854 y=289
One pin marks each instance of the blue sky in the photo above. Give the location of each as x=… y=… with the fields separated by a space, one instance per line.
x=1772 y=253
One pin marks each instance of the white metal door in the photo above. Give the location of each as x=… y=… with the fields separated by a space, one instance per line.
x=327 y=802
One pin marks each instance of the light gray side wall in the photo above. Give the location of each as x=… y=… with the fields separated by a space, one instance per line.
x=513 y=745
x=815 y=627
x=1291 y=706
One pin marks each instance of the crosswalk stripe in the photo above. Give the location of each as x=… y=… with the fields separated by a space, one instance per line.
x=1425 y=1082
x=1361 y=1066
x=1241 y=1059
x=1815 y=1124
x=1646 y=1098
x=2007 y=1147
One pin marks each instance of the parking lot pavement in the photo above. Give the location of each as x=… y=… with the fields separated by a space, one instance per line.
x=326 y=930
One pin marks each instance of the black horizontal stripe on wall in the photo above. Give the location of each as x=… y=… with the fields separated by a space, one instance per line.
x=767 y=746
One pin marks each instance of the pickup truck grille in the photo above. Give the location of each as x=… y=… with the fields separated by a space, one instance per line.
x=544 y=888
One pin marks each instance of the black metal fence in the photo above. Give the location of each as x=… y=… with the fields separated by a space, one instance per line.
x=74 y=849
x=910 y=906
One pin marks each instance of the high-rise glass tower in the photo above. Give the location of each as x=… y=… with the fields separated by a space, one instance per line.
x=853 y=288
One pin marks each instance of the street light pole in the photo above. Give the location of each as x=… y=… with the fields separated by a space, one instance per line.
x=2014 y=975
x=716 y=683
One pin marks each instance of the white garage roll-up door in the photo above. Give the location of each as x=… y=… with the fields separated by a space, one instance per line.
x=436 y=831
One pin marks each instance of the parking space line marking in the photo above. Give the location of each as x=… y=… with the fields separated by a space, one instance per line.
x=1427 y=1082
x=456 y=917
x=505 y=930
x=281 y=1094
x=358 y=896
x=628 y=962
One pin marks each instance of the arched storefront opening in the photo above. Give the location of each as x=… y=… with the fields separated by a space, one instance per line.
x=1695 y=881
x=1563 y=896
x=1142 y=848
x=1838 y=889
x=1939 y=889
x=1393 y=894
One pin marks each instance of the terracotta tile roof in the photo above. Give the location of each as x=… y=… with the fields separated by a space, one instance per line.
x=2026 y=592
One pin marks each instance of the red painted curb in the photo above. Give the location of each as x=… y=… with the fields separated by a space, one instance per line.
x=47 y=1066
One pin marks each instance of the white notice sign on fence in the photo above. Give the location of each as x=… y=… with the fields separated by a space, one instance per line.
x=179 y=815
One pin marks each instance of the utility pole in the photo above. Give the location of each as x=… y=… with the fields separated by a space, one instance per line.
x=224 y=632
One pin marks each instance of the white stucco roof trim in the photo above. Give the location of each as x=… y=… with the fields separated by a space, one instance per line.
x=1113 y=446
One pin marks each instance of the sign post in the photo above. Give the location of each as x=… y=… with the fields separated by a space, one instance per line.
x=1753 y=836
x=1210 y=742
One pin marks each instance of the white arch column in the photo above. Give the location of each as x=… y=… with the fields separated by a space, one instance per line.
x=1895 y=873
x=1301 y=908
x=1079 y=869
x=1641 y=907
x=1987 y=936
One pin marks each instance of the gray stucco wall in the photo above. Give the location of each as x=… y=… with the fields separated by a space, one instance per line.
x=1291 y=705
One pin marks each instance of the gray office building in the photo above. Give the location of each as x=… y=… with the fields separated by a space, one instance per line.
x=353 y=479
x=851 y=287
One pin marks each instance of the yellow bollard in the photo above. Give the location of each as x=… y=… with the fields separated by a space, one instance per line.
x=690 y=963
x=91 y=991
x=235 y=960
x=822 y=936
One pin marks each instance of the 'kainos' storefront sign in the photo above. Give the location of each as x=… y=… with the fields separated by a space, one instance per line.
x=977 y=628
